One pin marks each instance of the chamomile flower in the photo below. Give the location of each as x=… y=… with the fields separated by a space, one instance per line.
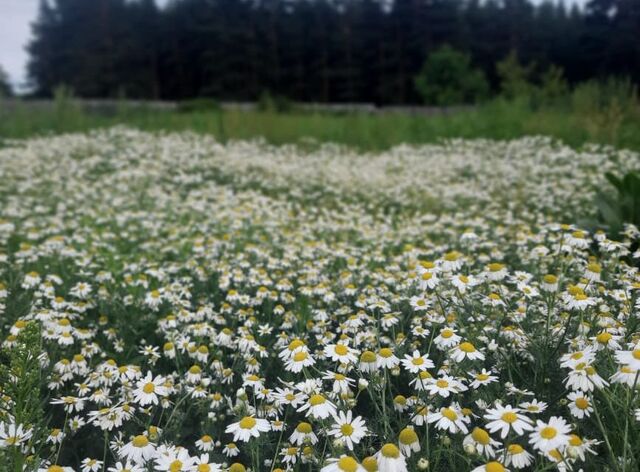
x=449 y=419
x=303 y=434
x=417 y=362
x=390 y=459
x=247 y=428
x=343 y=464
x=507 y=418
x=466 y=350
x=386 y=359
x=550 y=435
x=149 y=390
x=517 y=456
x=629 y=358
x=318 y=406
x=493 y=466
x=138 y=450
x=347 y=429
x=408 y=441
x=580 y=404
x=12 y=435
x=341 y=353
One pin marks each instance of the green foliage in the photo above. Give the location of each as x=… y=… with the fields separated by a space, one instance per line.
x=448 y=78
x=553 y=86
x=515 y=78
x=496 y=119
x=5 y=86
x=274 y=103
x=20 y=380
x=623 y=206
x=198 y=105
x=603 y=107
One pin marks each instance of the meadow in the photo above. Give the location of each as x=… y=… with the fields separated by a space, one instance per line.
x=171 y=302
x=593 y=112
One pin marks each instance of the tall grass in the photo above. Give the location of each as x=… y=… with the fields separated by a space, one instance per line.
x=607 y=113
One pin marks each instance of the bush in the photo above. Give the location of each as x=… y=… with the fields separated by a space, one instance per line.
x=447 y=78
x=602 y=107
x=5 y=85
x=274 y=103
x=198 y=105
x=515 y=78
x=614 y=210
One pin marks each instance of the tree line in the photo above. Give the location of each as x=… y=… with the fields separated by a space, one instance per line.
x=316 y=50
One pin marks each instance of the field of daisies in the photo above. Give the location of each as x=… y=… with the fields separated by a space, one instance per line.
x=170 y=303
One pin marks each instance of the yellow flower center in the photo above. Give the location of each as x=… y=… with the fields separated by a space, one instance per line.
x=481 y=436
x=417 y=361
x=370 y=464
x=467 y=347
x=575 y=440
x=548 y=432
x=341 y=350
x=386 y=352
x=582 y=403
x=452 y=256
x=368 y=357
x=494 y=467
x=175 y=466
x=446 y=333
x=140 y=441
x=346 y=430
x=449 y=414
x=204 y=468
x=594 y=267
x=304 y=428
x=509 y=417
x=515 y=449
x=390 y=450
x=316 y=400
x=300 y=356
x=408 y=436
x=442 y=383
x=247 y=422
x=295 y=344
x=149 y=388
x=347 y=464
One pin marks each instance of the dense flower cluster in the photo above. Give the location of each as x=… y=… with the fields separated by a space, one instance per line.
x=207 y=307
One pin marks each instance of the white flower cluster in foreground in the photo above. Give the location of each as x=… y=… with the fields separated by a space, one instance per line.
x=206 y=307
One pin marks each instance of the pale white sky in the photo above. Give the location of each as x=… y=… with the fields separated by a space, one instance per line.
x=15 y=29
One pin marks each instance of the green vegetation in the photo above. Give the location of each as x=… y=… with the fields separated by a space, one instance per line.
x=447 y=78
x=623 y=206
x=607 y=113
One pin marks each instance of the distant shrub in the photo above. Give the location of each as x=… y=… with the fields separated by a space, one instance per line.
x=515 y=78
x=198 y=105
x=623 y=206
x=553 y=86
x=603 y=106
x=274 y=103
x=5 y=85
x=448 y=78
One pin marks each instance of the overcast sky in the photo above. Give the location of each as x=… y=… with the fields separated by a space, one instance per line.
x=15 y=19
